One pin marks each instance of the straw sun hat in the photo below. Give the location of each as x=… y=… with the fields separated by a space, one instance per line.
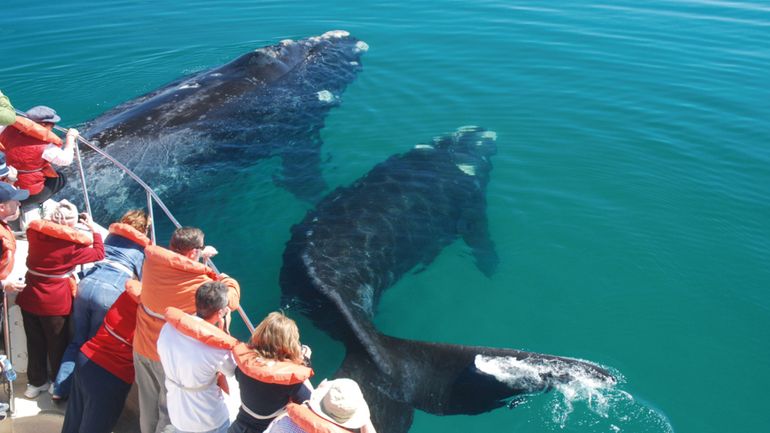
x=341 y=402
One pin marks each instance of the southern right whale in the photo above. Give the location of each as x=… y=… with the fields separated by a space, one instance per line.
x=359 y=240
x=270 y=102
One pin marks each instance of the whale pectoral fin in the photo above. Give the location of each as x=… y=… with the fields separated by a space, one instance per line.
x=474 y=229
x=301 y=173
x=388 y=415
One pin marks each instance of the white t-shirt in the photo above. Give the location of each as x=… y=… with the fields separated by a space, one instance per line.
x=199 y=405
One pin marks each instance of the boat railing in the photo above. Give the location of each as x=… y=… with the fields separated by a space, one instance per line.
x=152 y=198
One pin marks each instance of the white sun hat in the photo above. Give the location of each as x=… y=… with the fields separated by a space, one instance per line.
x=341 y=402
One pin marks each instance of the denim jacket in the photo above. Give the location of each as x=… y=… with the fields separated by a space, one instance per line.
x=121 y=250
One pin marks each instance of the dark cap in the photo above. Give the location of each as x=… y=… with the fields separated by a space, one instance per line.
x=41 y=114
x=3 y=167
x=10 y=193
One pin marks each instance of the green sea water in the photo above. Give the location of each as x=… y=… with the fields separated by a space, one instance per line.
x=628 y=201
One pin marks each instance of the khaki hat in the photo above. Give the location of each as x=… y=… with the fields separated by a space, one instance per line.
x=341 y=402
x=65 y=213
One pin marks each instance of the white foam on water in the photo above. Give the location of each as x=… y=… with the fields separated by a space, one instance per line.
x=424 y=146
x=610 y=409
x=325 y=96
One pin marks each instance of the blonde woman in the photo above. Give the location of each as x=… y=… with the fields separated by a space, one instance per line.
x=273 y=370
x=102 y=284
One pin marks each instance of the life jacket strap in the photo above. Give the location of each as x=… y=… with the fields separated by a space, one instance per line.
x=117 y=265
x=203 y=387
x=41 y=274
x=253 y=414
x=115 y=334
x=152 y=313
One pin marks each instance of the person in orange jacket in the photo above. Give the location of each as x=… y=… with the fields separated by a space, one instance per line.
x=170 y=278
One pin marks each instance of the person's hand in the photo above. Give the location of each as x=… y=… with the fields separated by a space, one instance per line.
x=86 y=219
x=72 y=134
x=208 y=252
x=14 y=286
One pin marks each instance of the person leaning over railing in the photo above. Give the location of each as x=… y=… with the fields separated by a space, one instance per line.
x=102 y=284
x=32 y=147
x=273 y=370
x=105 y=370
x=55 y=248
x=195 y=352
x=170 y=278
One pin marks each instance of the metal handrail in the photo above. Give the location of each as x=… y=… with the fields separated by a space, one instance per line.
x=151 y=197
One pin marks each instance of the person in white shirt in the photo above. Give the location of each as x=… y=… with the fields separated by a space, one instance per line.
x=195 y=402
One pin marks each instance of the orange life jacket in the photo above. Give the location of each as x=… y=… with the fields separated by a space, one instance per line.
x=269 y=371
x=200 y=330
x=24 y=143
x=170 y=279
x=310 y=422
x=63 y=232
x=8 y=241
x=130 y=233
x=35 y=130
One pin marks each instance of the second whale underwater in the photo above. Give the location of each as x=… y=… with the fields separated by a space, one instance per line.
x=359 y=241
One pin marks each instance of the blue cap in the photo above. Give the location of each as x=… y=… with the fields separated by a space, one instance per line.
x=3 y=167
x=43 y=114
x=10 y=193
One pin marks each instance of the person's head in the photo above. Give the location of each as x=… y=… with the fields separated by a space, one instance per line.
x=211 y=301
x=277 y=337
x=341 y=402
x=64 y=213
x=187 y=241
x=138 y=219
x=9 y=201
x=43 y=115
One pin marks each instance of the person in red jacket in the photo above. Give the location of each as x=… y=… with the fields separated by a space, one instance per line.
x=55 y=248
x=105 y=370
x=33 y=156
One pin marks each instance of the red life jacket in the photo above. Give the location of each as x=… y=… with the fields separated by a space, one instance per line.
x=63 y=232
x=308 y=421
x=269 y=371
x=24 y=143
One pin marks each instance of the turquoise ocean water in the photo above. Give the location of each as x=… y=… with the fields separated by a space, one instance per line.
x=628 y=200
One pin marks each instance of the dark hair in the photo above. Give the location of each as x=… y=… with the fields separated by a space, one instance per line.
x=185 y=239
x=210 y=298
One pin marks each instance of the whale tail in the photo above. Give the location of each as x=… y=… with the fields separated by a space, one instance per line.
x=398 y=376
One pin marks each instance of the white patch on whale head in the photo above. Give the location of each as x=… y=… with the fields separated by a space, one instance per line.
x=335 y=34
x=190 y=85
x=468 y=169
x=325 y=96
x=361 y=47
x=424 y=147
x=287 y=42
x=353 y=63
x=491 y=135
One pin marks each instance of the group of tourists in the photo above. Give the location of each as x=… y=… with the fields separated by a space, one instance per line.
x=143 y=313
